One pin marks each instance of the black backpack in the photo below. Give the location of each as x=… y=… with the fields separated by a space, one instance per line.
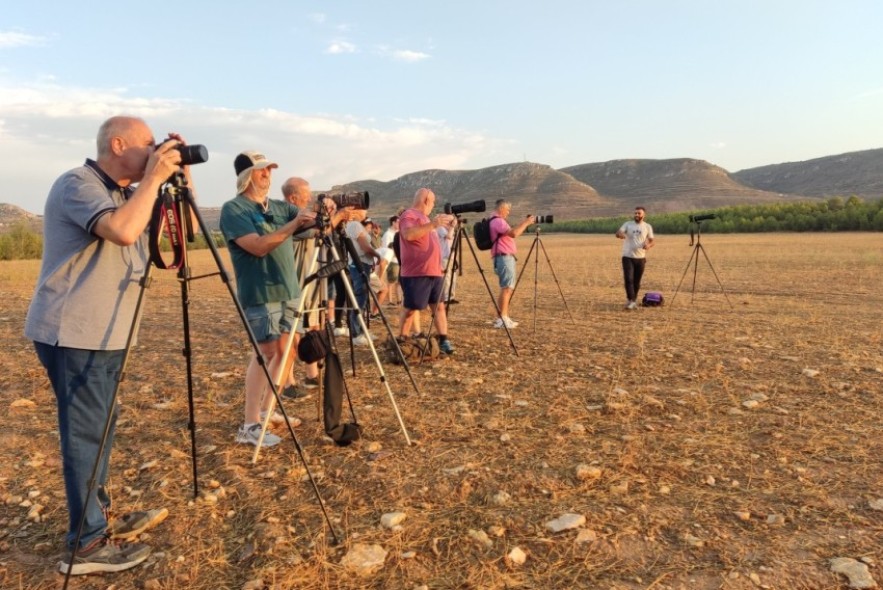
x=481 y=231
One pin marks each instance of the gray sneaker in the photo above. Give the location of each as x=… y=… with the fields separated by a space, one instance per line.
x=252 y=433
x=103 y=555
x=133 y=524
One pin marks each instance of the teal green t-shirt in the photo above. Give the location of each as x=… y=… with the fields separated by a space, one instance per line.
x=260 y=279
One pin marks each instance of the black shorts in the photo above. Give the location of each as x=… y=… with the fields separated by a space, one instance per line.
x=419 y=292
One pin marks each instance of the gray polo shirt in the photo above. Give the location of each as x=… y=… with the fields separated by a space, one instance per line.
x=88 y=287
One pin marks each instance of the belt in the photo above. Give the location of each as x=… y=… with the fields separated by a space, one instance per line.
x=501 y=255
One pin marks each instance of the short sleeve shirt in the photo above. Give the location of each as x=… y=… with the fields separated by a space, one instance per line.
x=504 y=244
x=260 y=279
x=420 y=257
x=88 y=287
x=636 y=235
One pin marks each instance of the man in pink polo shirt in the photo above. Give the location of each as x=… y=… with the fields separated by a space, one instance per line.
x=421 y=273
x=503 y=252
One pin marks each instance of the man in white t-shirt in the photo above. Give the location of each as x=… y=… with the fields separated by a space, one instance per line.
x=638 y=236
x=359 y=270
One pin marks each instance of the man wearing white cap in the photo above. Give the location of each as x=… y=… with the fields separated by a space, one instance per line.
x=258 y=232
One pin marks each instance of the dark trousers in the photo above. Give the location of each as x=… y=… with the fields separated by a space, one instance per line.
x=84 y=382
x=632 y=271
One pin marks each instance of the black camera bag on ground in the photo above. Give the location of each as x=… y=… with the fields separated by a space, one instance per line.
x=313 y=346
x=653 y=299
x=413 y=349
x=334 y=388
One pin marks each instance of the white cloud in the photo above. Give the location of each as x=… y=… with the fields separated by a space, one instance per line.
x=46 y=129
x=718 y=145
x=10 y=39
x=340 y=47
x=409 y=56
x=405 y=55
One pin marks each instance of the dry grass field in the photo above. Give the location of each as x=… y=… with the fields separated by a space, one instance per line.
x=705 y=445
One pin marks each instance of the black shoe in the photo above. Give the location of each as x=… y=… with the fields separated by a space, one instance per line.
x=292 y=392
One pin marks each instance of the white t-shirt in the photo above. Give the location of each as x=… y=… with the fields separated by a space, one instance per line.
x=386 y=239
x=353 y=230
x=636 y=236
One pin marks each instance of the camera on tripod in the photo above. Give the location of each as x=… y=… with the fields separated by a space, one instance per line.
x=190 y=154
x=698 y=218
x=544 y=219
x=355 y=199
x=476 y=206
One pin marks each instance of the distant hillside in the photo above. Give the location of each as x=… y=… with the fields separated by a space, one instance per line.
x=854 y=173
x=532 y=188
x=606 y=189
x=666 y=186
x=11 y=216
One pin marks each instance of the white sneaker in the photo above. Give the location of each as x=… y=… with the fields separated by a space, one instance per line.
x=632 y=305
x=362 y=340
x=342 y=331
x=251 y=434
x=507 y=321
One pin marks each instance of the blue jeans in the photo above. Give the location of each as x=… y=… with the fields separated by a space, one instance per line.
x=83 y=381
x=360 y=289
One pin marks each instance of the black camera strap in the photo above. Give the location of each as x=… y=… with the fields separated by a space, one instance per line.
x=166 y=218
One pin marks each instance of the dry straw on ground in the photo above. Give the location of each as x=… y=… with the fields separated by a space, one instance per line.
x=705 y=446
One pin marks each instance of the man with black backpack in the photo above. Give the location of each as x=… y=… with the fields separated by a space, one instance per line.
x=503 y=250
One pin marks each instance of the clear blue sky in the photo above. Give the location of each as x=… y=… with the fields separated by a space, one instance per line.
x=352 y=90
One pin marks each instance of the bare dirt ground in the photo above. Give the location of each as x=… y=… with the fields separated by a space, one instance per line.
x=636 y=421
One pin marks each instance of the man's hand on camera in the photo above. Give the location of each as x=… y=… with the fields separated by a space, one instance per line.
x=444 y=220
x=305 y=218
x=163 y=162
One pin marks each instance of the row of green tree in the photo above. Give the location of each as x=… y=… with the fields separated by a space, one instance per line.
x=23 y=243
x=835 y=214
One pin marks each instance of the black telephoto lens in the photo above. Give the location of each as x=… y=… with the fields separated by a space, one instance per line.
x=192 y=154
x=475 y=206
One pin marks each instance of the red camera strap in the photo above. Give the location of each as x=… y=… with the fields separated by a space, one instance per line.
x=166 y=219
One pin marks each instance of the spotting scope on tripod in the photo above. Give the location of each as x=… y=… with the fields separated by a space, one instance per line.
x=696 y=243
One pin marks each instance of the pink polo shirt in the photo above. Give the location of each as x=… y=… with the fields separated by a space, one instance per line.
x=505 y=244
x=420 y=257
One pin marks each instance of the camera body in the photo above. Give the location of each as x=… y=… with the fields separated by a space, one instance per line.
x=544 y=219
x=698 y=218
x=190 y=154
x=476 y=206
x=355 y=199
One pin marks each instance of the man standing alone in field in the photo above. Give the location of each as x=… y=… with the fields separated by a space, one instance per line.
x=638 y=236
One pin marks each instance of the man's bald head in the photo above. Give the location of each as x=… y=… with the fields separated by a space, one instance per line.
x=297 y=191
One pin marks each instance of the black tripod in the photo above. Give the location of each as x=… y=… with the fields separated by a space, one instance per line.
x=455 y=265
x=535 y=248
x=314 y=274
x=177 y=204
x=694 y=260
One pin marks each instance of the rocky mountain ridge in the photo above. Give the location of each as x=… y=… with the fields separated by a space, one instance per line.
x=607 y=188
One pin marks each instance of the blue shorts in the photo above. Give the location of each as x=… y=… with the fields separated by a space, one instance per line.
x=504 y=266
x=419 y=292
x=269 y=321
